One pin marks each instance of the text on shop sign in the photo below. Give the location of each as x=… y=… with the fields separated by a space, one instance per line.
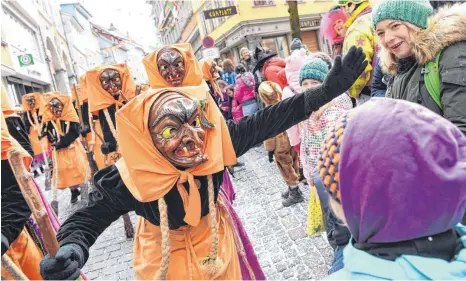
x=220 y=12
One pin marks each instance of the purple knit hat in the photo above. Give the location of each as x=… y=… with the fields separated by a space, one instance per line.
x=401 y=171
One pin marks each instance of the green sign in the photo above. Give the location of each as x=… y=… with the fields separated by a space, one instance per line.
x=25 y=60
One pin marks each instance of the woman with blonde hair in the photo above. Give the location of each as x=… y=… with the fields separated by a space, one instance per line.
x=410 y=38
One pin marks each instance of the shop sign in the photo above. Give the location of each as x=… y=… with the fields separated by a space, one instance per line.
x=26 y=60
x=211 y=53
x=220 y=12
x=309 y=23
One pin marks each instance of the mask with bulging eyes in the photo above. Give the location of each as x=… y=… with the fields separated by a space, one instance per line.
x=171 y=66
x=56 y=107
x=31 y=101
x=110 y=80
x=176 y=131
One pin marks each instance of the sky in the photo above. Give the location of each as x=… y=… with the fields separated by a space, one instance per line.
x=131 y=16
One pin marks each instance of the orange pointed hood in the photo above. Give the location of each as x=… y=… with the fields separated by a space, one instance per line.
x=98 y=98
x=147 y=173
x=69 y=113
x=193 y=76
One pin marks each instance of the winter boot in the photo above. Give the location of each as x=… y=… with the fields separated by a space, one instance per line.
x=74 y=195
x=286 y=193
x=238 y=164
x=295 y=197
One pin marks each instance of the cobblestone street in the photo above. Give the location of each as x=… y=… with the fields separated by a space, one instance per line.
x=277 y=233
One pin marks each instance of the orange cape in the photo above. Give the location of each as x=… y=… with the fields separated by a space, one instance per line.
x=193 y=75
x=149 y=175
x=100 y=99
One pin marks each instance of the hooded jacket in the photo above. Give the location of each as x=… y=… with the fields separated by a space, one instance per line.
x=361 y=34
x=446 y=32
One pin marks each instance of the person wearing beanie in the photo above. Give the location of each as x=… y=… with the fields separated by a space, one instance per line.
x=404 y=209
x=296 y=44
x=246 y=59
x=360 y=34
x=410 y=36
x=313 y=131
x=286 y=157
x=293 y=65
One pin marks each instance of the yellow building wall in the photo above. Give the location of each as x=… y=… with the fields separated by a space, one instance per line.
x=247 y=12
x=6 y=58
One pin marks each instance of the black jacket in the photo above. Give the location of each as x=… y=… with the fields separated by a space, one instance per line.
x=108 y=136
x=112 y=199
x=67 y=139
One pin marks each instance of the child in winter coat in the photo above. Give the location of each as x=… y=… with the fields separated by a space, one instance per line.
x=236 y=107
x=229 y=74
x=224 y=102
x=279 y=146
x=400 y=189
x=313 y=133
x=292 y=68
x=244 y=91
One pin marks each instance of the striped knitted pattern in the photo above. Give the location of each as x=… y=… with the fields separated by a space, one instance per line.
x=330 y=158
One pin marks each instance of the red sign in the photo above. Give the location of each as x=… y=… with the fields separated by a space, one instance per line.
x=208 y=42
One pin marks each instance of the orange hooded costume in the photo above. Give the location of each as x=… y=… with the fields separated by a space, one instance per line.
x=205 y=249
x=70 y=164
x=99 y=99
x=23 y=251
x=149 y=176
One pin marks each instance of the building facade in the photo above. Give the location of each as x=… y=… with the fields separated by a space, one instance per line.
x=35 y=57
x=119 y=48
x=264 y=22
x=246 y=24
x=84 y=44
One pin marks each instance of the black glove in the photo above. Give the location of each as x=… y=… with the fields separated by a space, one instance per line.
x=84 y=131
x=65 y=266
x=270 y=156
x=344 y=72
x=5 y=244
x=107 y=148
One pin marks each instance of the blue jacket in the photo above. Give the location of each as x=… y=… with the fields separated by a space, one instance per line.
x=229 y=77
x=379 y=86
x=361 y=265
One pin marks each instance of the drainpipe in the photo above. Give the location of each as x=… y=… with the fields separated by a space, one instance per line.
x=69 y=51
x=47 y=60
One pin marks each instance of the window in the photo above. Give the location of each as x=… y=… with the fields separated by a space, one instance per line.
x=259 y=3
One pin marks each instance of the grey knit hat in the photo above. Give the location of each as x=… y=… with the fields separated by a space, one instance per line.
x=296 y=44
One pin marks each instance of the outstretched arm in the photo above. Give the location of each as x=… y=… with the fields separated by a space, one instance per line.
x=272 y=120
x=110 y=201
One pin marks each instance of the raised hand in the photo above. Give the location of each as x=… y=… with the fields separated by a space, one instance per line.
x=345 y=72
